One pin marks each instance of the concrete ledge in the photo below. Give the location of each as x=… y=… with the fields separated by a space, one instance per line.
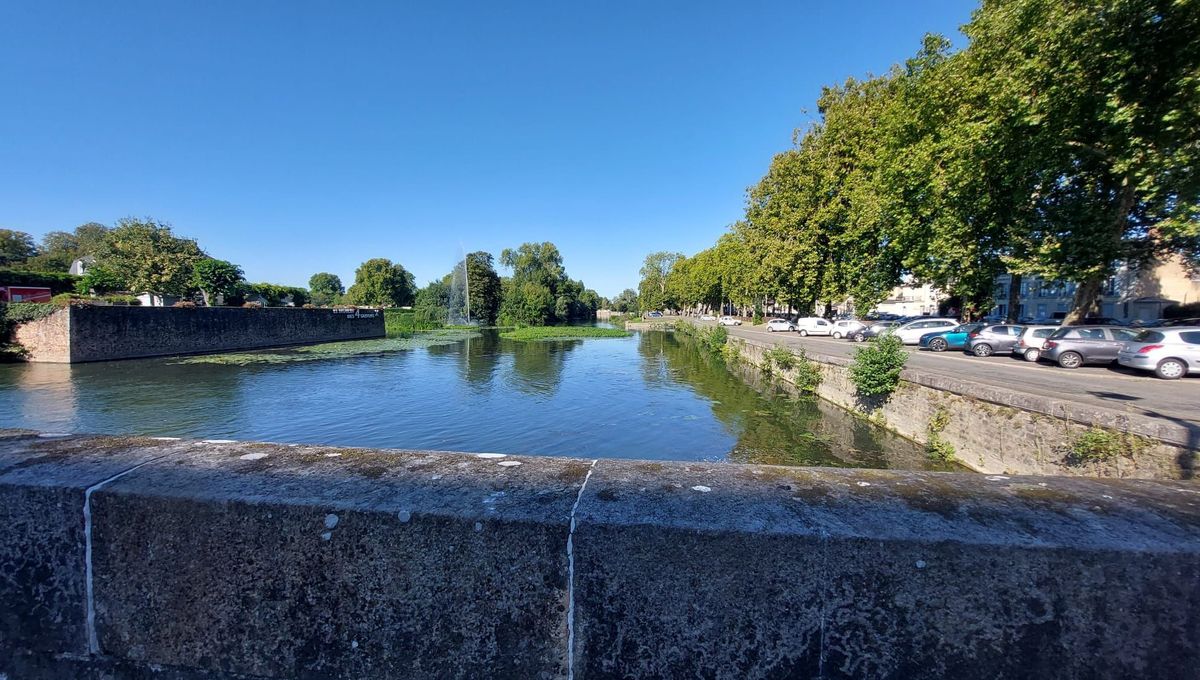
x=228 y=560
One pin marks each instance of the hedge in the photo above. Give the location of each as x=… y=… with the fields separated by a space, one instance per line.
x=57 y=282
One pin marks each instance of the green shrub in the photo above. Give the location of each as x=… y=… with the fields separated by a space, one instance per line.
x=876 y=368
x=531 y=333
x=781 y=357
x=805 y=374
x=63 y=299
x=1099 y=445
x=758 y=316
x=18 y=312
x=129 y=300
x=57 y=282
x=402 y=322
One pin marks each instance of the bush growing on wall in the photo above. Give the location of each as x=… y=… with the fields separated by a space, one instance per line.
x=876 y=368
x=57 y=282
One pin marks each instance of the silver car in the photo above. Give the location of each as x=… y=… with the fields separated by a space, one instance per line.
x=991 y=339
x=1074 y=346
x=1029 y=345
x=1171 y=352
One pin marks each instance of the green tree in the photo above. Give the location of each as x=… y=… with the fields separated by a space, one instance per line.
x=484 y=285
x=148 y=257
x=380 y=283
x=325 y=288
x=652 y=290
x=539 y=291
x=60 y=248
x=15 y=247
x=100 y=279
x=626 y=302
x=216 y=277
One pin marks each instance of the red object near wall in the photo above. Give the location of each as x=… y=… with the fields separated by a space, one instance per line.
x=24 y=294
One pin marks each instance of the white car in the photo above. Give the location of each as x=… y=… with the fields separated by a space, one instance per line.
x=844 y=328
x=729 y=321
x=814 y=325
x=707 y=317
x=780 y=325
x=1171 y=352
x=911 y=332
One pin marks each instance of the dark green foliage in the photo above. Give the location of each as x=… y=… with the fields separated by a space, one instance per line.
x=99 y=279
x=15 y=247
x=380 y=283
x=1099 y=445
x=562 y=333
x=937 y=448
x=539 y=292
x=1184 y=311
x=876 y=368
x=57 y=282
x=325 y=289
x=214 y=277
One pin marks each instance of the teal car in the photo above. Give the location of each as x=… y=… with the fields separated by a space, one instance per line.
x=955 y=338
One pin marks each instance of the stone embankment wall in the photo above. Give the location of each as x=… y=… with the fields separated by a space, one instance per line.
x=136 y=558
x=102 y=333
x=995 y=430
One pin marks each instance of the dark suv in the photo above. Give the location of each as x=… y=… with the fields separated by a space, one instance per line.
x=1074 y=346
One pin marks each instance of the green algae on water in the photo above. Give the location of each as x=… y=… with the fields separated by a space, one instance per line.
x=334 y=350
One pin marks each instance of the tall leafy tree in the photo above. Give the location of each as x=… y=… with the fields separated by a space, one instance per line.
x=216 y=278
x=381 y=283
x=325 y=288
x=652 y=290
x=16 y=247
x=148 y=257
x=483 y=284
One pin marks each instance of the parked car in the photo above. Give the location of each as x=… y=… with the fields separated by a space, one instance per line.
x=780 y=325
x=654 y=315
x=874 y=330
x=991 y=339
x=1099 y=321
x=814 y=325
x=955 y=338
x=1074 y=346
x=845 y=327
x=910 y=333
x=1029 y=343
x=1170 y=352
x=729 y=321
x=707 y=317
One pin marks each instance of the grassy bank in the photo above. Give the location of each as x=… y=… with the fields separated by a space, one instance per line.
x=535 y=333
x=400 y=323
x=333 y=350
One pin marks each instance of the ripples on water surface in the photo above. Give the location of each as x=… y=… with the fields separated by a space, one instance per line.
x=653 y=395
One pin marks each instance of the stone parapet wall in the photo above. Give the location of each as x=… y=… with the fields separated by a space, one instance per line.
x=135 y=558
x=996 y=430
x=82 y=333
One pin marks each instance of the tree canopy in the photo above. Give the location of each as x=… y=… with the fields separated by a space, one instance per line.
x=379 y=282
x=325 y=288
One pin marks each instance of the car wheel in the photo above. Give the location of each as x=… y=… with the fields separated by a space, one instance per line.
x=837 y=336
x=1032 y=354
x=770 y=330
x=1070 y=360
x=937 y=345
x=858 y=337
x=1170 y=369
x=803 y=333
x=982 y=350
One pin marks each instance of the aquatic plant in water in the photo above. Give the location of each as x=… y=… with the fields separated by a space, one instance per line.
x=334 y=350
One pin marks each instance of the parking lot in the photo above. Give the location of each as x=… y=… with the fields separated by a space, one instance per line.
x=1115 y=387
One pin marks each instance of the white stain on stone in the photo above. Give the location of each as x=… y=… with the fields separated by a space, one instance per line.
x=920 y=564
x=326 y=535
x=218 y=441
x=165 y=439
x=331 y=521
x=864 y=484
x=354 y=644
x=404 y=516
x=1106 y=496
x=509 y=463
x=332 y=455
x=491 y=455
x=53 y=435
x=435 y=477
x=996 y=478
x=701 y=488
x=253 y=456
x=479 y=526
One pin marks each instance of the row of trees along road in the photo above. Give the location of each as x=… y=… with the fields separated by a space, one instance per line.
x=1061 y=141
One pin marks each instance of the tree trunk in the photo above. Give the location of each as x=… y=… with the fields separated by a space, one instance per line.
x=1086 y=296
x=204 y=294
x=1014 y=298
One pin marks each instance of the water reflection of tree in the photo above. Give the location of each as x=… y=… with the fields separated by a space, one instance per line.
x=538 y=366
x=774 y=424
x=478 y=358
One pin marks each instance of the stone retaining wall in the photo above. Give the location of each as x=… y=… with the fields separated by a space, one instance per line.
x=102 y=333
x=137 y=558
x=995 y=430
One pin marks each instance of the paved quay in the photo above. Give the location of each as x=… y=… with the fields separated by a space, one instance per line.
x=1114 y=388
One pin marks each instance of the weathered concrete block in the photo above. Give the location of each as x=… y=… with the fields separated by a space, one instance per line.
x=302 y=562
x=43 y=483
x=727 y=572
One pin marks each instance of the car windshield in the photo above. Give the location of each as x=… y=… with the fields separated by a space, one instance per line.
x=1150 y=336
x=1042 y=332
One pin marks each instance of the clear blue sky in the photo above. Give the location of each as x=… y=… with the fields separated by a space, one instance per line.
x=297 y=137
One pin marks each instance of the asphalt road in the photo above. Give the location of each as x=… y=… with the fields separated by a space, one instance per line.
x=1116 y=387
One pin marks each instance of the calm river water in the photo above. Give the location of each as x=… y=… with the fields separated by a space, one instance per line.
x=653 y=395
